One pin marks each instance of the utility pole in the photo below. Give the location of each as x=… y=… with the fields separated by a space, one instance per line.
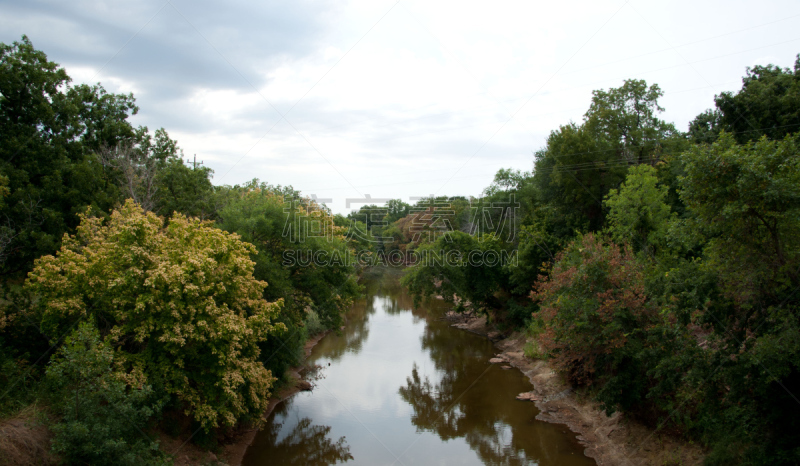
x=194 y=163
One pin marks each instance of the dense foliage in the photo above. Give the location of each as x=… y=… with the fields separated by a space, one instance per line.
x=179 y=304
x=662 y=266
x=656 y=268
x=136 y=294
x=104 y=420
x=315 y=295
x=49 y=130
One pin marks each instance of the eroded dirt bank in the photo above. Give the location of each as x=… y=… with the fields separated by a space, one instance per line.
x=609 y=440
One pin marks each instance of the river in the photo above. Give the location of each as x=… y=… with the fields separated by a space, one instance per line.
x=400 y=386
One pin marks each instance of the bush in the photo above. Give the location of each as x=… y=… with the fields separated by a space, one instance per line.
x=179 y=304
x=102 y=420
x=596 y=316
x=313 y=324
x=18 y=385
x=283 y=350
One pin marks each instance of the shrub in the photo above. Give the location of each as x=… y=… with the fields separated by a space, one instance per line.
x=596 y=317
x=178 y=303
x=313 y=324
x=102 y=420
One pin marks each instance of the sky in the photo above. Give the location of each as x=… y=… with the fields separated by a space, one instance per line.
x=355 y=100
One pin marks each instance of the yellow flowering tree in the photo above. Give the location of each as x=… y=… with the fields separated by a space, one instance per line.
x=178 y=303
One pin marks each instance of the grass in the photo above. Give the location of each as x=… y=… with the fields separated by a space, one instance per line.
x=533 y=351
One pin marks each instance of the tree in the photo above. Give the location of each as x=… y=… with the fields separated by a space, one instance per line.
x=581 y=163
x=572 y=174
x=396 y=209
x=595 y=311
x=638 y=213
x=178 y=303
x=767 y=105
x=184 y=189
x=626 y=117
x=462 y=269
x=49 y=132
x=506 y=179
x=743 y=203
x=746 y=201
x=137 y=170
x=102 y=419
x=281 y=229
x=705 y=127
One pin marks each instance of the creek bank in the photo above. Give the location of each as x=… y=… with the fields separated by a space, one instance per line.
x=609 y=440
x=25 y=439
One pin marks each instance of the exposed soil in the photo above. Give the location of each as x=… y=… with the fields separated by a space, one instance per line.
x=609 y=440
x=25 y=440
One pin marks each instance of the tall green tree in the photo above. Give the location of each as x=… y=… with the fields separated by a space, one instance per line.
x=313 y=273
x=581 y=163
x=746 y=200
x=49 y=132
x=767 y=105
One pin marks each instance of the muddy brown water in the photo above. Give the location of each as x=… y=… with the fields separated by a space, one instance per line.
x=399 y=387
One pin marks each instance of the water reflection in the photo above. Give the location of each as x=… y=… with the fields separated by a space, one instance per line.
x=299 y=442
x=438 y=410
x=356 y=331
x=399 y=386
x=381 y=288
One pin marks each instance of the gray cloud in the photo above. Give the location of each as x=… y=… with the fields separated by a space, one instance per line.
x=169 y=59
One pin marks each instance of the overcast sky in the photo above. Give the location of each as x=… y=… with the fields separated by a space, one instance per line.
x=394 y=99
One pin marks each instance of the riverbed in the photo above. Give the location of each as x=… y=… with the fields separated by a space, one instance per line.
x=398 y=385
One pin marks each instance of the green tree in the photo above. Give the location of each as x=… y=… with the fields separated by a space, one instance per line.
x=102 y=419
x=457 y=268
x=626 y=117
x=746 y=200
x=705 y=128
x=184 y=189
x=581 y=163
x=737 y=299
x=638 y=213
x=505 y=180
x=395 y=210
x=49 y=132
x=279 y=227
x=767 y=105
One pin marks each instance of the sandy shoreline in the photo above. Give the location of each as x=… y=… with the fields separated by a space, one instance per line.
x=609 y=440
